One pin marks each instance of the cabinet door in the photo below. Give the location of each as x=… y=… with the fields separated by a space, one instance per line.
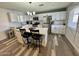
x=53 y=29
x=63 y=16
x=12 y=17
x=21 y=18
x=57 y=16
x=53 y=16
x=25 y=19
x=45 y=19
x=58 y=29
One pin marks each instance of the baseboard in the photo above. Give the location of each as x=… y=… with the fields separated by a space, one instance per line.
x=71 y=46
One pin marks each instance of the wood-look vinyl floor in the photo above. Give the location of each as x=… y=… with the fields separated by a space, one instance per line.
x=63 y=49
x=56 y=46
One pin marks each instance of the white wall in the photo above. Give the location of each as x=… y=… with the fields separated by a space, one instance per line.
x=71 y=34
x=4 y=22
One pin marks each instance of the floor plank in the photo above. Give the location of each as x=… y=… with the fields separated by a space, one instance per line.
x=19 y=53
x=28 y=52
x=63 y=49
x=36 y=52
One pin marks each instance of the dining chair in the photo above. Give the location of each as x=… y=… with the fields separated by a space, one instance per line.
x=26 y=35
x=36 y=37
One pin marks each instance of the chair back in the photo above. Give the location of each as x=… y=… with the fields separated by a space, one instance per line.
x=22 y=31
x=34 y=31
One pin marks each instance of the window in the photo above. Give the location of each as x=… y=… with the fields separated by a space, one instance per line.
x=73 y=19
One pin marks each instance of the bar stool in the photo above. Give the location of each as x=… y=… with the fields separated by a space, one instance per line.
x=37 y=37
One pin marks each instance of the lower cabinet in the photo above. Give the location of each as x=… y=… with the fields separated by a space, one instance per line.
x=58 y=29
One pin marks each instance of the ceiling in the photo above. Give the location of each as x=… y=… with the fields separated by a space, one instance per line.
x=34 y=6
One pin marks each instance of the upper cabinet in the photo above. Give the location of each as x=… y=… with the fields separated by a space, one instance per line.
x=59 y=16
x=44 y=19
x=21 y=18
x=63 y=15
x=13 y=17
x=53 y=16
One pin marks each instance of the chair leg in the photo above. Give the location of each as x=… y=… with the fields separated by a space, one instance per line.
x=36 y=43
x=27 y=41
x=28 y=46
x=39 y=46
x=33 y=44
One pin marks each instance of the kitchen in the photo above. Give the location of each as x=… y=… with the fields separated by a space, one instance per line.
x=54 y=23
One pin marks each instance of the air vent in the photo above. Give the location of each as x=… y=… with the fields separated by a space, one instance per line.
x=41 y=4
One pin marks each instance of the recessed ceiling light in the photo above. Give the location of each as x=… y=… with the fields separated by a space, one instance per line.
x=41 y=4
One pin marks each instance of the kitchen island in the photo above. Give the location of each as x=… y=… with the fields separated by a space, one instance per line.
x=43 y=31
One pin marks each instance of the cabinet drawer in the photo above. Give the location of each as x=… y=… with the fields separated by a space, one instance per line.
x=56 y=30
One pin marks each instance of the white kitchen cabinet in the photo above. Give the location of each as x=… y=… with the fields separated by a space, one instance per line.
x=53 y=16
x=59 y=29
x=13 y=17
x=58 y=25
x=16 y=17
x=45 y=25
x=21 y=18
x=25 y=18
x=63 y=16
x=57 y=16
x=45 y=19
